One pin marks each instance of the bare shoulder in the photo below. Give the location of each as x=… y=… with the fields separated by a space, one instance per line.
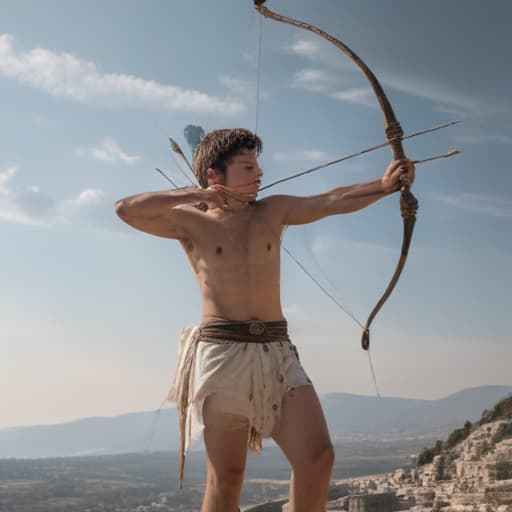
x=278 y=202
x=279 y=205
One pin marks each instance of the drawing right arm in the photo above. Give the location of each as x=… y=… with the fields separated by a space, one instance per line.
x=169 y=213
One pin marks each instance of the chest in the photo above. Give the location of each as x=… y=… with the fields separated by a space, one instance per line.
x=253 y=236
x=240 y=240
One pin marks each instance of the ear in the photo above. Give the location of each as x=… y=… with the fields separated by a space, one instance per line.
x=215 y=177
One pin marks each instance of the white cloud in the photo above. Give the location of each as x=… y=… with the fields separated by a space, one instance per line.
x=357 y=95
x=15 y=202
x=6 y=176
x=319 y=51
x=87 y=207
x=84 y=198
x=308 y=48
x=239 y=87
x=64 y=75
x=310 y=155
x=313 y=80
x=110 y=151
x=31 y=206
x=325 y=81
x=447 y=98
x=478 y=203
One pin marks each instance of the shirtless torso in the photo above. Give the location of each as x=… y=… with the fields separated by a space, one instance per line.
x=235 y=256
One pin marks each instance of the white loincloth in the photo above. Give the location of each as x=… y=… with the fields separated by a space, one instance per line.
x=247 y=379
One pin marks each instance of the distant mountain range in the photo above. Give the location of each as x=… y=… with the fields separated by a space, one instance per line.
x=350 y=418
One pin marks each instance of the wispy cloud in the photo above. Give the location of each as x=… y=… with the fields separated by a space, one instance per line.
x=31 y=206
x=327 y=78
x=327 y=246
x=311 y=79
x=87 y=207
x=310 y=155
x=444 y=97
x=64 y=75
x=109 y=151
x=357 y=95
x=87 y=197
x=493 y=138
x=20 y=205
x=308 y=48
x=478 y=203
x=447 y=98
x=320 y=52
x=461 y=114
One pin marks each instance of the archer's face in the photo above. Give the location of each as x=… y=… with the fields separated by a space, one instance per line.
x=243 y=173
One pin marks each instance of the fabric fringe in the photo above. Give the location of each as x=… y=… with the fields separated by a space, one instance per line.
x=255 y=442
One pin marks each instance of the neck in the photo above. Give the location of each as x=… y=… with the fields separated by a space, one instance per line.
x=232 y=205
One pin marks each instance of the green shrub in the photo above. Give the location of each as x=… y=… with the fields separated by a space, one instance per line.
x=458 y=435
x=428 y=454
x=504 y=431
x=503 y=409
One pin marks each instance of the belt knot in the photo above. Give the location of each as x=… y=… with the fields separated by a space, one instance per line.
x=256 y=327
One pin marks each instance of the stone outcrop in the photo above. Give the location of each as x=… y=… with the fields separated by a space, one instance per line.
x=474 y=475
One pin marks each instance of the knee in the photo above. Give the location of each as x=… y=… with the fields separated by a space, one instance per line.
x=228 y=480
x=318 y=462
x=326 y=458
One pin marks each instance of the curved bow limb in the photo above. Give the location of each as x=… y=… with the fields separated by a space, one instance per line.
x=394 y=134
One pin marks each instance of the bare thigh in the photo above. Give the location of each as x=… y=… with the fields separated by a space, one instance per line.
x=302 y=432
x=225 y=437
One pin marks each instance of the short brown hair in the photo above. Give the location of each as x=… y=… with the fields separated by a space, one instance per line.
x=218 y=147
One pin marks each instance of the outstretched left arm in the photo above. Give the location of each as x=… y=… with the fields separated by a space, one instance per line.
x=303 y=210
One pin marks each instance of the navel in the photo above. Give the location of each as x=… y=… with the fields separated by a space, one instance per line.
x=218 y=250
x=269 y=246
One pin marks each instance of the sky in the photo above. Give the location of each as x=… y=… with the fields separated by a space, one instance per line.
x=90 y=309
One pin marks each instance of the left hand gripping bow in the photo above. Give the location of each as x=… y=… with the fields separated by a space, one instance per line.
x=394 y=133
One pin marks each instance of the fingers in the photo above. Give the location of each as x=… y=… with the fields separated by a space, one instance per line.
x=400 y=173
x=404 y=172
x=233 y=193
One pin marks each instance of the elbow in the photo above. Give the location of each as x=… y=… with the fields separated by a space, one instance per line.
x=120 y=208
x=336 y=205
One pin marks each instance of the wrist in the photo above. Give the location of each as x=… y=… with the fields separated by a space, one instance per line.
x=388 y=189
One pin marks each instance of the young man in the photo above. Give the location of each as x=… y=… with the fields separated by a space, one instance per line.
x=239 y=376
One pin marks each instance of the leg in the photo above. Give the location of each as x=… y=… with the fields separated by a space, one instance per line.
x=225 y=438
x=304 y=438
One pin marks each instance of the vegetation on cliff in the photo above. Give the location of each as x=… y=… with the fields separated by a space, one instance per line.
x=502 y=410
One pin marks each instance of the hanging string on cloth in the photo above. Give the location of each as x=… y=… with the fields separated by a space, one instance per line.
x=285 y=249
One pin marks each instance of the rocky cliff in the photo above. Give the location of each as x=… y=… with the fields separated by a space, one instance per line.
x=470 y=472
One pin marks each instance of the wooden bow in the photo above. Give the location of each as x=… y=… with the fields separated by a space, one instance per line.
x=394 y=134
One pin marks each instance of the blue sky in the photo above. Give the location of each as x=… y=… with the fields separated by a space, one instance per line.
x=91 y=310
